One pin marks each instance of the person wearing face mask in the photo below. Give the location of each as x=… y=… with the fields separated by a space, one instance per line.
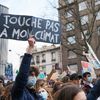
x=23 y=88
x=33 y=74
x=40 y=88
x=87 y=82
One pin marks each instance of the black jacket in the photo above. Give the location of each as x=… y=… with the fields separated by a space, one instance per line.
x=95 y=92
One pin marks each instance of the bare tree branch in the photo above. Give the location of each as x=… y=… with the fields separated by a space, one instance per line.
x=73 y=9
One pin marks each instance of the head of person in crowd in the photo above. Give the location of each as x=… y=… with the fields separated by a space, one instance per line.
x=33 y=74
x=2 y=90
x=65 y=79
x=87 y=82
x=70 y=92
x=39 y=84
x=74 y=78
x=40 y=88
x=7 y=91
x=51 y=83
x=1 y=80
x=87 y=77
x=57 y=86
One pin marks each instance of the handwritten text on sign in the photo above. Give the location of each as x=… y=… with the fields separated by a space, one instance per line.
x=20 y=27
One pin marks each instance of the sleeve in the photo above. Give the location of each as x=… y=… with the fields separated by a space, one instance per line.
x=95 y=92
x=22 y=77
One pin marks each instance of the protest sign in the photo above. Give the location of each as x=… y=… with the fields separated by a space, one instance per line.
x=20 y=27
x=88 y=67
x=9 y=72
x=92 y=58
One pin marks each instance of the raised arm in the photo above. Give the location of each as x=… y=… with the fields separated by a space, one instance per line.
x=22 y=77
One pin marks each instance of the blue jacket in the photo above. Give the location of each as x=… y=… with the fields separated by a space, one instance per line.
x=19 y=90
x=95 y=92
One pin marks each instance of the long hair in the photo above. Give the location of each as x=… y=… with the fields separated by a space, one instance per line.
x=68 y=92
x=7 y=93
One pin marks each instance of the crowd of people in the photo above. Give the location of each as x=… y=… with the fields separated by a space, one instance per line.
x=27 y=86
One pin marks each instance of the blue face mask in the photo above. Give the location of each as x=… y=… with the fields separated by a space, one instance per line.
x=90 y=79
x=43 y=94
x=31 y=81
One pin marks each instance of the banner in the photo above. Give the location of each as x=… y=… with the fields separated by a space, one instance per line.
x=20 y=27
x=9 y=72
x=92 y=58
x=88 y=67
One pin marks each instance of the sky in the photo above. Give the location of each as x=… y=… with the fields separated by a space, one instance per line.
x=37 y=8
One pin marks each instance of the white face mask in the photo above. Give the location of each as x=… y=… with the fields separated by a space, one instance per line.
x=31 y=81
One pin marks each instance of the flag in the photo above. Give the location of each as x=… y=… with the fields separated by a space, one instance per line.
x=88 y=67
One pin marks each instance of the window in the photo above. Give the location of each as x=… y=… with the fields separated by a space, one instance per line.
x=37 y=59
x=53 y=56
x=98 y=16
x=70 y=26
x=71 y=40
x=86 y=34
x=98 y=30
x=84 y=19
x=71 y=55
x=32 y=61
x=68 y=14
x=43 y=58
x=69 y=1
x=57 y=66
x=82 y=6
x=97 y=2
x=73 y=67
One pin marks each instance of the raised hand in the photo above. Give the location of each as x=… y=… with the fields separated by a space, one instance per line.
x=31 y=42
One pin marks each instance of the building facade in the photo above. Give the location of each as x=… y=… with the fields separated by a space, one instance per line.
x=46 y=58
x=77 y=18
x=3 y=46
